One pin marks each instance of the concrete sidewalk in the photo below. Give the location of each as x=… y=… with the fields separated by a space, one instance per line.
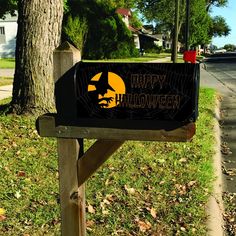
x=7 y=72
x=215 y=208
x=5 y=91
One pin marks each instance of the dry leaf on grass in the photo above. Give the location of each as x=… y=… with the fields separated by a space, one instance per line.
x=143 y=226
x=129 y=190
x=91 y=209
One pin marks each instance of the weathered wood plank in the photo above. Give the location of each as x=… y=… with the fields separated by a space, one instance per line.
x=72 y=199
x=180 y=134
x=45 y=125
x=95 y=156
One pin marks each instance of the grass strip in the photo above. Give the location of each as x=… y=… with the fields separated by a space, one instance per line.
x=145 y=188
x=7 y=63
x=145 y=58
x=6 y=81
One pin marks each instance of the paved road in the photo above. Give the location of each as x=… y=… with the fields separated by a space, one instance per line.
x=223 y=72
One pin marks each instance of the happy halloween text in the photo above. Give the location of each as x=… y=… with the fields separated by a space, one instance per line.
x=148 y=101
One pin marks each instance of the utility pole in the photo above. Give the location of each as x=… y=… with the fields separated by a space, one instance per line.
x=187 y=25
x=175 y=46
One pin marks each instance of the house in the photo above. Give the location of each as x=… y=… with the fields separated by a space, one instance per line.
x=125 y=14
x=141 y=38
x=8 y=31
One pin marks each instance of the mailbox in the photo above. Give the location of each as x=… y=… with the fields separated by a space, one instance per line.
x=128 y=95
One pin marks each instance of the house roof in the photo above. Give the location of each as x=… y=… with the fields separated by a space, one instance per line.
x=132 y=29
x=124 y=11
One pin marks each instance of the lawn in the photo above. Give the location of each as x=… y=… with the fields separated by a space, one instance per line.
x=8 y=63
x=5 y=81
x=145 y=58
x=145 y=188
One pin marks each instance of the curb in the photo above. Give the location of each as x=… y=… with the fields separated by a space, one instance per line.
x=215 y=206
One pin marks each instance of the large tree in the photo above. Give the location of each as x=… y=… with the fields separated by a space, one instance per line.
x=217 y=3
x=39 y=30
x=38 y=34
x=219 y=27
x=202 y=26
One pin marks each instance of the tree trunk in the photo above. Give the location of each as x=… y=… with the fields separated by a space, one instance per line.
x=39 y=31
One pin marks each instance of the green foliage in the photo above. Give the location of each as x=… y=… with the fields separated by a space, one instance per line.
x=135 y=21
x=202 y=26
x=219 y=27
x=7 y=6
x=118 y=3
x=230 y=47
x=76 y=31
x=108 y=36
x=200 y=23
x=217 y=3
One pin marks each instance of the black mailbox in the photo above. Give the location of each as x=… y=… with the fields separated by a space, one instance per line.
x=128 y=95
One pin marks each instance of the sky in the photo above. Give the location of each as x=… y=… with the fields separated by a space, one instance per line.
x=229 y=13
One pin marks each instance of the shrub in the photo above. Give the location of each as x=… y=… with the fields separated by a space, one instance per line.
x=108 y=36
x=76 y=31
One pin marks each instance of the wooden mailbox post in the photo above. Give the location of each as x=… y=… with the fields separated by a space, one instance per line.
x=112 y=102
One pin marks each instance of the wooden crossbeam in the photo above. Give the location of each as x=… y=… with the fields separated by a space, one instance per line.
x=46 y=127
x=95 y=156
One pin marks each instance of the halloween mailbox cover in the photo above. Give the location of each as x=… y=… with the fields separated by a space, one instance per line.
x=128 y=95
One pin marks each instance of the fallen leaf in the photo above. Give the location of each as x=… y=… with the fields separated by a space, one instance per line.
x=110 y=197
x=89 y=223
x=2 y=211
x=183 y=160
x=105 y=212
x=144 y=226
x=17 y=194
x=91 y=209
x=2 y=217
x=191 y=183
x=105 y=201
x=21 y=174
x=129 y=190
x=153 y=213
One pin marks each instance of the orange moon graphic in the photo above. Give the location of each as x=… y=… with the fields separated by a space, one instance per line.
x=116 y=82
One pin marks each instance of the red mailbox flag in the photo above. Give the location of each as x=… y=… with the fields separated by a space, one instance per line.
x=190 y=56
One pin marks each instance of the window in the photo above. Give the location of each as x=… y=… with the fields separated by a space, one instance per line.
x=2 y=35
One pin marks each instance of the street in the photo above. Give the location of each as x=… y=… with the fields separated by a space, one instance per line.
x=223 y=68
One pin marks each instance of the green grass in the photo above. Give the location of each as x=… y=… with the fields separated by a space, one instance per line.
x=8 y=63
x=6 y=81
x=145 y=58
x=145 y=188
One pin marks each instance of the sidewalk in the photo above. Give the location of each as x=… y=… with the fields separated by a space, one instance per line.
x=7 y=72
x=5 y=91
x=215 y=207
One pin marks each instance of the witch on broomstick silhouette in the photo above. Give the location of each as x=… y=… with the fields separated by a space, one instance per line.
x=101 y=86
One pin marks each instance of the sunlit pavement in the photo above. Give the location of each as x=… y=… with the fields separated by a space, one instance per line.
x=224 y=75
x=5 y=91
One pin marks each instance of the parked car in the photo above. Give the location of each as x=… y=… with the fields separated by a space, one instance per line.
x=219 y=51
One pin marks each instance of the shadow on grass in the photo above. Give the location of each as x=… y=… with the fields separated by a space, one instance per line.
x=5 y=106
